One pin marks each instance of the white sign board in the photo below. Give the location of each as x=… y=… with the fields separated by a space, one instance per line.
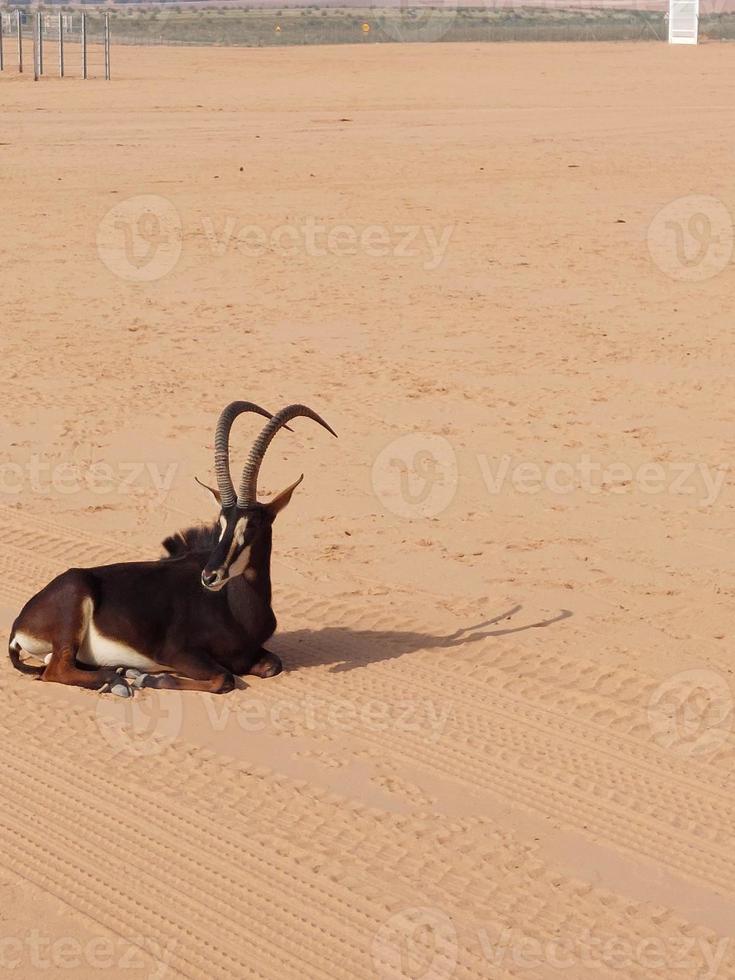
x=683 y=21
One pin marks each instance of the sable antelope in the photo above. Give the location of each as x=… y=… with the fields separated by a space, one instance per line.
x=188 y=621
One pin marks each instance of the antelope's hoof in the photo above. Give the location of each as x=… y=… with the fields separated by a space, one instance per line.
x=161 y=681
x=267 y=666
x=117 y=685
x=136 y=677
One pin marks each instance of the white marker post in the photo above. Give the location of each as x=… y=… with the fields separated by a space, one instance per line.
x=20 y=41
x=683 y=21
x=61 y=45
x=107 y=47
x=84 y=45
x=39 y=30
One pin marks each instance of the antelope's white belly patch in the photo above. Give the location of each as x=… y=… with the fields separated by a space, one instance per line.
x=102 y=651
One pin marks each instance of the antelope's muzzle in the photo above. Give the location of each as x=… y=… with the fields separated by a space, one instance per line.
x=214 y=580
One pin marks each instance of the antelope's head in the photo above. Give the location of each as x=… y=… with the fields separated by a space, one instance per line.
x=245 y=525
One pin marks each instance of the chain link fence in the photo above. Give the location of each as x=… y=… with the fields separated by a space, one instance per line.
x=76 y=42
x=176 y=24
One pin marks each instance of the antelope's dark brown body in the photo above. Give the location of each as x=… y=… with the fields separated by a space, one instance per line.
x=159 y=609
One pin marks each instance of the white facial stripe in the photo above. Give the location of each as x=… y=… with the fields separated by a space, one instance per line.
x=238 y=536
x=241 y=563
x=223 y=525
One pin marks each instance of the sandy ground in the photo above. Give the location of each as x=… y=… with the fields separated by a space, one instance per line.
x=502 y=746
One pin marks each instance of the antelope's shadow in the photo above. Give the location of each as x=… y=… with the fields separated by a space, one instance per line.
x=344 y=648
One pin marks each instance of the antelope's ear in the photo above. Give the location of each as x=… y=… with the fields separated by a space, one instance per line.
x=275 y=506
x=215 y=493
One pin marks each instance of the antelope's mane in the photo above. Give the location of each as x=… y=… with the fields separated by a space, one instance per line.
x=198 y=540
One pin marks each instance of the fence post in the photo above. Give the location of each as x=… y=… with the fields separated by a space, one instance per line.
x=107 y=46
x=39 y=28
x=84 y=45
x=2 y=58
x=61 y=45
x=34 y=40
x=20 y=40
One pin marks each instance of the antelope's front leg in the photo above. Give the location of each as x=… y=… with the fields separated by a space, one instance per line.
x=195 y=671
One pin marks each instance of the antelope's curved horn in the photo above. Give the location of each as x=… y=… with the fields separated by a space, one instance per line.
x=247 y=494
x=222 y=446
